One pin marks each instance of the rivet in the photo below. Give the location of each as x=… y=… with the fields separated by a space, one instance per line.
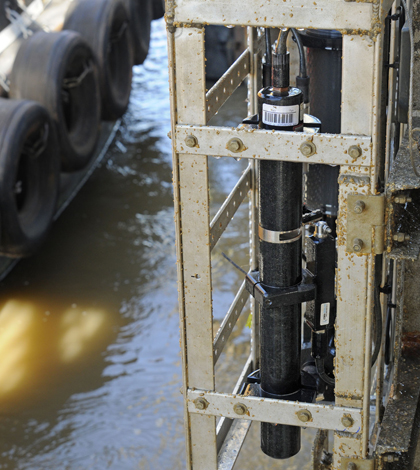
x=347 y=421
x=304 y=415
x=235 y=145
x=240 y=409
x=201 y=403
x=357 y=245
x=308 y=149
x=359 y=207
x=191 y=141
x=355 y=151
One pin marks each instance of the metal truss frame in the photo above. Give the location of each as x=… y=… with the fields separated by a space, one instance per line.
x=209 y=447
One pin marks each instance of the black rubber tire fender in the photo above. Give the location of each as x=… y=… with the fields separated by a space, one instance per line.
x=105 y=26
x=59 y=71
x=158 y=9
x=29 y=176
x=141 y=16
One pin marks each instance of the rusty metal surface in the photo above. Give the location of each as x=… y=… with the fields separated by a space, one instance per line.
x=399 y=418
x=365 y=222
x=401 y=176
x=359 y=464
x=320 y=456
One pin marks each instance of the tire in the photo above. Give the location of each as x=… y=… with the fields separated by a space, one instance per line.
x=43 y=71
x=104 y=25
x=141 y=15
x=158 y=9
x=29 y=176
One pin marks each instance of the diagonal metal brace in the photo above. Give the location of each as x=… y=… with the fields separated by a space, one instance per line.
x=273 y=297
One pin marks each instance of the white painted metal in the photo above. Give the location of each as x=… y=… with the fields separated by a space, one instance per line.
x=227 y=84
x=230 y=206
x=229 y=321
x=224 y=424
x=191 y=110
x=324 y=416
x=331 y=149
x=322 y=14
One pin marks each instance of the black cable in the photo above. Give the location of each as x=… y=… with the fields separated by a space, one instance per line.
x=302 y=58
x=320 y=367
x=268 y=45
x=377 y=311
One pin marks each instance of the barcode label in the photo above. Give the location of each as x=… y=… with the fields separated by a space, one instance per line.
x=280 y=115
x=325 y=314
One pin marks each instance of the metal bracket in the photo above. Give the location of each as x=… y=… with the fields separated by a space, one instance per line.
x=272 y=297
x=365 y=224
x=357 y=464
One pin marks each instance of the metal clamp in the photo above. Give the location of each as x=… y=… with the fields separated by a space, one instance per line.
x=272 y=297
x=271 y=236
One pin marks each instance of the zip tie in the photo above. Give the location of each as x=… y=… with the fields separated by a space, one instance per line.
x=17 y=20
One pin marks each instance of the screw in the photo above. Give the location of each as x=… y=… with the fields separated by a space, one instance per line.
x=240 y=409
x=201 y=403
x=359 y=207
x=401 y=237
x=191 y=141
x=347 y=421
x=304 y=415
x=308 y=149
x=235 y=145
x=355 y=151
x=357 y=245
x=351 y=466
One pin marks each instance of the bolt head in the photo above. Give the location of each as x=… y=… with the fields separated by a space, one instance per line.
x=191 y=141
x=240 y=409
x=304 y=415
x=235 y=145
x=347 y=421
x=357 y=245
x=352 y=466
x=359 y=207
x=201 y=403
x=308 y=149
x=355 y=151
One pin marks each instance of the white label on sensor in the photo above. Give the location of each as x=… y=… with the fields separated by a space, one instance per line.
x=281 y=116
x=325 y=314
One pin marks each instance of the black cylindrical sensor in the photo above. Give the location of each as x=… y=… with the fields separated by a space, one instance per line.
x=280 y=221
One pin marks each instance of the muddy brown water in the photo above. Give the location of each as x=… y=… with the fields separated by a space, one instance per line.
x=90 y=370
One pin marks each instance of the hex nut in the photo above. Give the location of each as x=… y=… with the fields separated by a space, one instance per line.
x=359 y=207
x=304 y=415
x=347 y=421
x=235 y=145
x=201 y=403
x=308 y=148
x=352 y=466
x=355 y=152
x=357 y=245
x=240 y=409
x=191 y=141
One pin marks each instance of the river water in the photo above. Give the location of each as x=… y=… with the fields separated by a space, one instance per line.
x=90 y=371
